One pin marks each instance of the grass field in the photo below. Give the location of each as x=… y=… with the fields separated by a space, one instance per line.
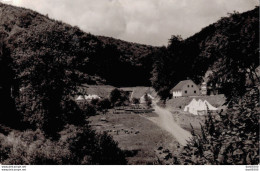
x=133 y=132
x=185 y=120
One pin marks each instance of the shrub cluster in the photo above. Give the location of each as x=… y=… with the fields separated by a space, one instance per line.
x=230 y=137
x=76 y=145
x=119 y=98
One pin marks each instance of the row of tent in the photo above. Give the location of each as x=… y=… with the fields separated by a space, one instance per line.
x=87 y=97
x=91 y=97
x=199 y=107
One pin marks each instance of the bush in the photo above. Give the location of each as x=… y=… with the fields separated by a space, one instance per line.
x=136 y=101
x=87 y=147
x=94 y=101
x=31 y=147
x=77 y=145
x=148 y=100
x=103 y=104
x=230 y=137
x=108 y=152
x=119 y=98
x=88 y=109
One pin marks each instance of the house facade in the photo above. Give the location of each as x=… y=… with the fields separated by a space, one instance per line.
x=185 y=88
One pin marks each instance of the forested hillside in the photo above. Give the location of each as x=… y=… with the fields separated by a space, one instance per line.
x=232 y=41
x=95 y=59
x=41 y=62
x=229 y=48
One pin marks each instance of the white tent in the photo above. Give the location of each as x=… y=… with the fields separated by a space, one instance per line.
x=80 y=98
x=90 y=97
x=210 y=106
x=192 y=107
x=196 y=107
x=142 y=99
x=201 y=106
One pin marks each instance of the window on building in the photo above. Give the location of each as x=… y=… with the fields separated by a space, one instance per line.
x=185 y=91
x=191 y=85
x=188 y=85
x=195 y=91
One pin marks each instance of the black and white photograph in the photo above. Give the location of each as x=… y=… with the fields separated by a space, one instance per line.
x=129 y=82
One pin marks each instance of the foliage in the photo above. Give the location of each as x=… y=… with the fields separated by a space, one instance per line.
x=8 y=112
x=104 y=104
x=31 y=147
x=94 y=101
x=46 y=60
x=77 y=145
x=94 y=106
x=230 y=137
x=90 y=148
x=88 y=108
x=148 y=100
x=135 y=101
x=229 y=48
x=119 y=97
x=132 y=66
x=120 y=63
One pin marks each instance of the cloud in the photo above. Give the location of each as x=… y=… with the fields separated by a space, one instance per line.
x=143 y=21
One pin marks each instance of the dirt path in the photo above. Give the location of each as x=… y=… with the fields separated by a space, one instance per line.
x=166 y=122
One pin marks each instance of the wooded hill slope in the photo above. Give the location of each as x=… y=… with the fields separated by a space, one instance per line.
x=229 y=48
x=104 y=60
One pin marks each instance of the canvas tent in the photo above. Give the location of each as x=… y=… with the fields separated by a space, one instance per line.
x=199 y=107
x=192 y=107
x=210 y=106
x=91 y=97
x=80 y=98
x=142 y=99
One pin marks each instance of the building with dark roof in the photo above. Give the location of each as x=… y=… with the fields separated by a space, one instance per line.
x=185 y=88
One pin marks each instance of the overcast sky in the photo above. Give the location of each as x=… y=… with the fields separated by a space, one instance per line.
x=144 y=21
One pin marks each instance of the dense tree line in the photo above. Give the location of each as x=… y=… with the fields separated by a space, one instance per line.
x=104 y=60
x=231 y=136
x=42 y=62
x=229 y=48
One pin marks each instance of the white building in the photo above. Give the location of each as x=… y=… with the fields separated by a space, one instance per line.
x=185 y=88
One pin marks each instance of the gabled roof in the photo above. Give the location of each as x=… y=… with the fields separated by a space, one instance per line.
x=99 y=90
x=127 y=88
x=179 y=86
x=138 y=92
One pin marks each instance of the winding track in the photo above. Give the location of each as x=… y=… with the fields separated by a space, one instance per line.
x=166 y=122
